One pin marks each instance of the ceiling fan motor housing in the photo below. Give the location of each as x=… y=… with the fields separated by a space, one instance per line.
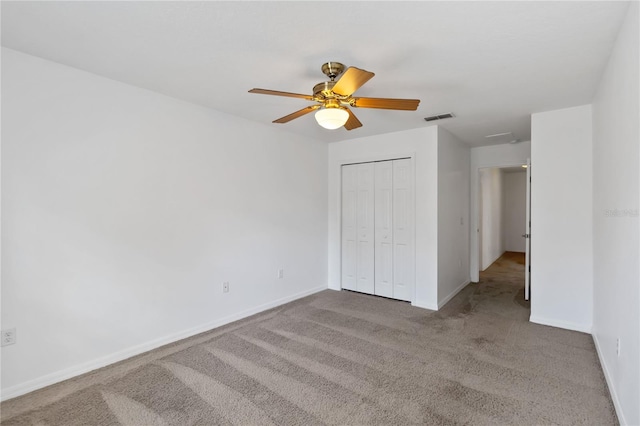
x=332 y=69
x=332 y=103
x=324 y=90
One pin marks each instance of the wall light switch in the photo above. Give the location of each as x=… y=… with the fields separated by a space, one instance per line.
x=8 y=336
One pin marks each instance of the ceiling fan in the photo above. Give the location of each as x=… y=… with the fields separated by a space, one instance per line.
x=334 y=98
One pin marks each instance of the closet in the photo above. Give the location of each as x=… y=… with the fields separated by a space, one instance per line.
x=378 y=228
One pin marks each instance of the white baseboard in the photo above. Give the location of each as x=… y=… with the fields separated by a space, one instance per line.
x=425 y=305
x=584 y=328
x=58 y=376
x=451 y=295
x=607 y=376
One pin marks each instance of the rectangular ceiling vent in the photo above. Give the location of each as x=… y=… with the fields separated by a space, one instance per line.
x=500 y=135
x=439 y=116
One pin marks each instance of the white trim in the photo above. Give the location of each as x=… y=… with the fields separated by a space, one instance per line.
x=609 y=379
x=584 y=328
x=58 y=376
x=451 y=295
x=425 y=305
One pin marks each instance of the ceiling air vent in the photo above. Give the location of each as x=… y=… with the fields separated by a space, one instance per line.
x=439 y=116
x=504 y=137
x=500 y=135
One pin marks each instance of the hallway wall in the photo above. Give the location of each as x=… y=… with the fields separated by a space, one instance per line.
x=561 y=218
x=491 y=225
x=453 y=216
x=514 y=210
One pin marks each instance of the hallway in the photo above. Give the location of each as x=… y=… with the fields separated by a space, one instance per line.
x=537 y=360
x=502 y=285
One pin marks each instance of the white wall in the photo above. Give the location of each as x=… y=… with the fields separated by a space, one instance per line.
x=505 y=155
x=561 y=218
x=421 y=145
x=514 y=210
x=615 y=221
x=491 y=225
x=453 y=216
x=124 y=211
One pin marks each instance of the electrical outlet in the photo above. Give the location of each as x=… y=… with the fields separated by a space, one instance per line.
x=280 y=273
x=225 y=287
x=8 y=336
x=618 y=346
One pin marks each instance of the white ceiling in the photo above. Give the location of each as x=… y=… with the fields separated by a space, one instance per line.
x=490 y=63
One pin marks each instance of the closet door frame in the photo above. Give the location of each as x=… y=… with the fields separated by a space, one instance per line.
x=374 y=159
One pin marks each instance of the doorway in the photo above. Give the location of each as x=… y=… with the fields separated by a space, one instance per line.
x=503 y=222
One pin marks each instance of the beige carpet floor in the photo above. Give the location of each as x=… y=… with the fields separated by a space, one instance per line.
x=348 y=358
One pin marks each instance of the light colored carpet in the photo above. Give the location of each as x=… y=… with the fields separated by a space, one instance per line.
x=348 y=358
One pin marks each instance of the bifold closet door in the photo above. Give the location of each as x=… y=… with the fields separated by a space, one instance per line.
x=384 y=228
x=394 y=234
x=403 y=230
x=358 y=227
x=378 y=255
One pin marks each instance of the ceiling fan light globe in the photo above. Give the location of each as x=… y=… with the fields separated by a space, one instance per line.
x=332 y=118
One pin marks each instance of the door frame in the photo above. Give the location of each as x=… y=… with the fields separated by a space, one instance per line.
x=474 y=215
x=527 y=235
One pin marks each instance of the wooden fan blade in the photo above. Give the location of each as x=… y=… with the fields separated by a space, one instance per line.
x=277 y=93
x=300 y=113
x=352 y=79
x=387 y=103
x=352 y=122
